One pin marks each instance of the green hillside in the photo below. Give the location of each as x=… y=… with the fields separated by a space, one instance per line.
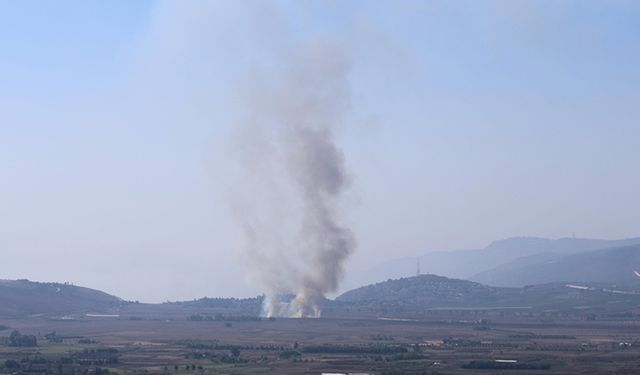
x=22 y=298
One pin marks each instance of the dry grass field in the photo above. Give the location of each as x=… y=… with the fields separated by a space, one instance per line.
x=445 y=342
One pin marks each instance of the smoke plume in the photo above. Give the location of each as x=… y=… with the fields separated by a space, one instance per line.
x=295 y=177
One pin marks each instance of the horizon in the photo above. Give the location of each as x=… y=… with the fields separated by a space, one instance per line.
x=457 y=124
x=343 y=290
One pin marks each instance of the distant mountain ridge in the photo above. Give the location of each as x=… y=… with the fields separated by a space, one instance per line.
x=465 y=264
x=23 y=297
x=619 y=265
x=497 y=273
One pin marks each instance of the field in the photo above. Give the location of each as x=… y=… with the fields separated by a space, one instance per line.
x=438 y=342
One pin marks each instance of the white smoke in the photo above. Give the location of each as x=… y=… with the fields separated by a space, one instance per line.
x=295 y=177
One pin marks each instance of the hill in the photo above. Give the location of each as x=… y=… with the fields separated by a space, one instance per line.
x=464 y=264
x=425 y=290
x=613 y=266
x=431 y=291
x=20 y=298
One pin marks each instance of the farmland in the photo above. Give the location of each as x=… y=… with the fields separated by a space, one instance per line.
x=444 y=342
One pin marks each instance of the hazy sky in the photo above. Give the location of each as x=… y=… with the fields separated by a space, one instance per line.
x=470 y=121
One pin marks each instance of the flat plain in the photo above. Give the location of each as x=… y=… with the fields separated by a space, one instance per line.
x=433 y=342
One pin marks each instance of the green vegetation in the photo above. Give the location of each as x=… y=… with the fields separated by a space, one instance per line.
x=546 y=337
x=290 y=354
x=381 y=338
x=418 y=293
x=224 y=318
x=21 y=298
x=355 y=349
x=495 y=365
x=19 y=340
x=88 y=361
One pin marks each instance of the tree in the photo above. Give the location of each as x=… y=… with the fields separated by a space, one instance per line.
x=20 y=340
x=11 y=364
x=235 y=352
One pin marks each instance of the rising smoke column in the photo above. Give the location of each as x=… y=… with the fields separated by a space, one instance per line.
x=295 y=243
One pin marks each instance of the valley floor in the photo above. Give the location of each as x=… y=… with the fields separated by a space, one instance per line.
x=446 y=342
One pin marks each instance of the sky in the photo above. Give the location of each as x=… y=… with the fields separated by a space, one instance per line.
x=468 y=122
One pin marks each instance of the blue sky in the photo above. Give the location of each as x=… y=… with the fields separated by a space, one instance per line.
x=470 y=121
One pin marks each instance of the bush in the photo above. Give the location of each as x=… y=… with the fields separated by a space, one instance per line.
x=290 y=354
x=493 y=365
x=20 y=340
x=355 y=349
x=11 y=364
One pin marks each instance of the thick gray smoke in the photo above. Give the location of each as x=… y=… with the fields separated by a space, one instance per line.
x=295 y=244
